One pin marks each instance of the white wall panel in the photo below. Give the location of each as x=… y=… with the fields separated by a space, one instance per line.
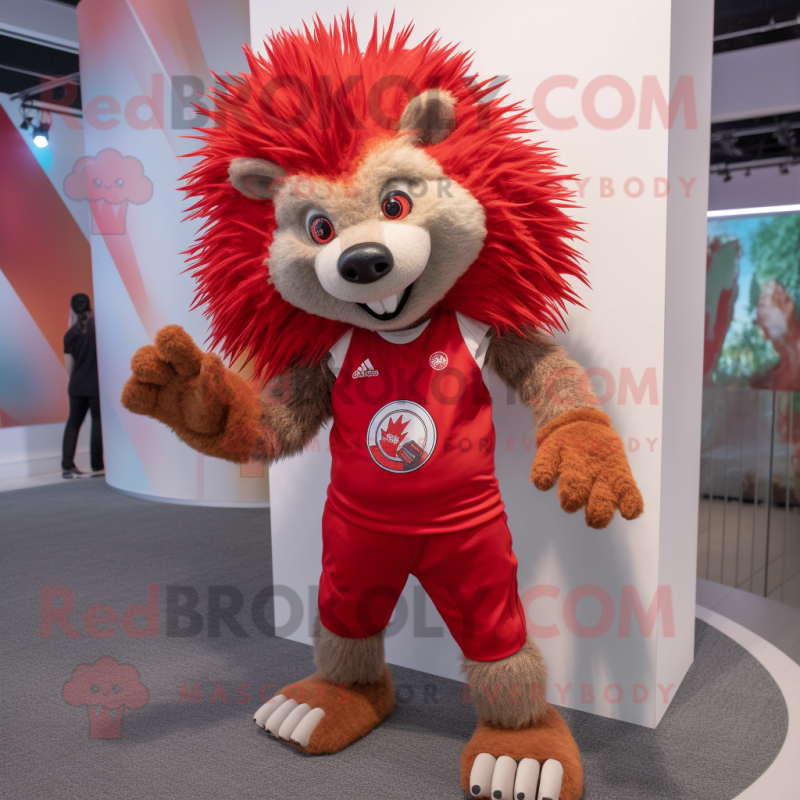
x=644 y=188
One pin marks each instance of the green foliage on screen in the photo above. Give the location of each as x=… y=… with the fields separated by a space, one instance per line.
x=755 y=293
x=775 y=252
x=745 y=354
x=773 y=249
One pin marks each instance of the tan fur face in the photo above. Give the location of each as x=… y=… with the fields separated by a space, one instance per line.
x=430 y=248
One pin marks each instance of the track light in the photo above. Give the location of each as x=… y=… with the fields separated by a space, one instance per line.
x=26 y=123
x=784 y=170
x=727 y=176
x=41 y=134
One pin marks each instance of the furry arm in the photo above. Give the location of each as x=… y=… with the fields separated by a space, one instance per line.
x=217 y=412
x=576 y=442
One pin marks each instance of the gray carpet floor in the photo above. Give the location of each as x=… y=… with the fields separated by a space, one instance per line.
x=725 y=726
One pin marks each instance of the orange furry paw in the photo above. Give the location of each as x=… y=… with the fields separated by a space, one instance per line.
x=516 y=762
x=138 y=397
x=581 y=450
x=316 y=716
x=212 y=409
x=177 y=348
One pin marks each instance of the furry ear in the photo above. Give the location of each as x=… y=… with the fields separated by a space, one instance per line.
x=431 y=116
x=255 y=178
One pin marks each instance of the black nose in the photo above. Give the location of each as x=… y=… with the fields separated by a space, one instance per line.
x=365 y=263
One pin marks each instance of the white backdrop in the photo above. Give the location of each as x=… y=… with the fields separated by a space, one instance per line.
x=587 y=592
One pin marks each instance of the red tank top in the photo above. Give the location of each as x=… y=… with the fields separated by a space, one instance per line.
x=412 y=442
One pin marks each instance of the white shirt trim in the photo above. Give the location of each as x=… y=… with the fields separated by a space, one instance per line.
x=406 y=336
x=475 y=336
x=337 y=353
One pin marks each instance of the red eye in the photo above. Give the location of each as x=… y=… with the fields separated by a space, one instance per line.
x=321 y=230
x=397 y=206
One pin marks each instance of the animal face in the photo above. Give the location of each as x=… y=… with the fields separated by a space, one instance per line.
x=378 y=248
x=395 y=182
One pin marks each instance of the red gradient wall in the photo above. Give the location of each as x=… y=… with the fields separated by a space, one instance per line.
x=44 y=259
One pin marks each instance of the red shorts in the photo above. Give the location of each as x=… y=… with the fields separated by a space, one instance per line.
x=471 y=577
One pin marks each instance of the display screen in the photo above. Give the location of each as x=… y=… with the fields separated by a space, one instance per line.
x=751 y=403
x=752 y=330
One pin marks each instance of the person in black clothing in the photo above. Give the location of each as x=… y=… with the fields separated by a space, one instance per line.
x=84 y=394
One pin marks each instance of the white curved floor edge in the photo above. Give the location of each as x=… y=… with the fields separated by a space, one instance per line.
x=780 y=781
x=180 y=502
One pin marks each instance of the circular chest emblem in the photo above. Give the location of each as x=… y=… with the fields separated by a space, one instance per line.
x=438 y=360
x=401 y=436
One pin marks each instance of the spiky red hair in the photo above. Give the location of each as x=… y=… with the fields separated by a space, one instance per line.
x=309 y=126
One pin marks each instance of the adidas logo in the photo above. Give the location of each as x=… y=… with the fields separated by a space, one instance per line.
x=366 y=370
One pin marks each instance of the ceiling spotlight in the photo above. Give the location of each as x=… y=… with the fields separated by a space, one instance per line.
x=784 y=170
x=41 y=134
x=26 y=123
x=747 y=172
x=727 y=176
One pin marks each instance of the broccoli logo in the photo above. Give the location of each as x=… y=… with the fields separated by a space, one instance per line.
x=106 y=688
x=108 y=181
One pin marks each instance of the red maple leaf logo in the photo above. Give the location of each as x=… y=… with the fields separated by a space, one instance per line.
x=393 y=436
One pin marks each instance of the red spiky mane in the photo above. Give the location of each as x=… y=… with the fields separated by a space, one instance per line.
x=520 y=278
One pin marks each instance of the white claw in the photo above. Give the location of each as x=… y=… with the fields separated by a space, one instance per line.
x=527 y=778
x=277 y=717
x=550 y=782
x=264 y=713
x=390 y=303
x=302 y=733
x=480 y=777
x=377 y=306
x=503 y=778
x=293 y=720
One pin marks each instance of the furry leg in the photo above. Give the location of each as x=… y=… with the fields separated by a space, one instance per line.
x=341 y=660
x=349 y=695
x=509 y=693
x=520 y=741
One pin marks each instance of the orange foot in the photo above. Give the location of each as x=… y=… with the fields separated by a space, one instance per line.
x=505 y=764
x=316 y=716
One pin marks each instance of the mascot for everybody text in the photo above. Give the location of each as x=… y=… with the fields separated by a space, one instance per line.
x=376 y=231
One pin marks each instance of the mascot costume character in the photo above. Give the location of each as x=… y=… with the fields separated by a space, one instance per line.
x=376 y=230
